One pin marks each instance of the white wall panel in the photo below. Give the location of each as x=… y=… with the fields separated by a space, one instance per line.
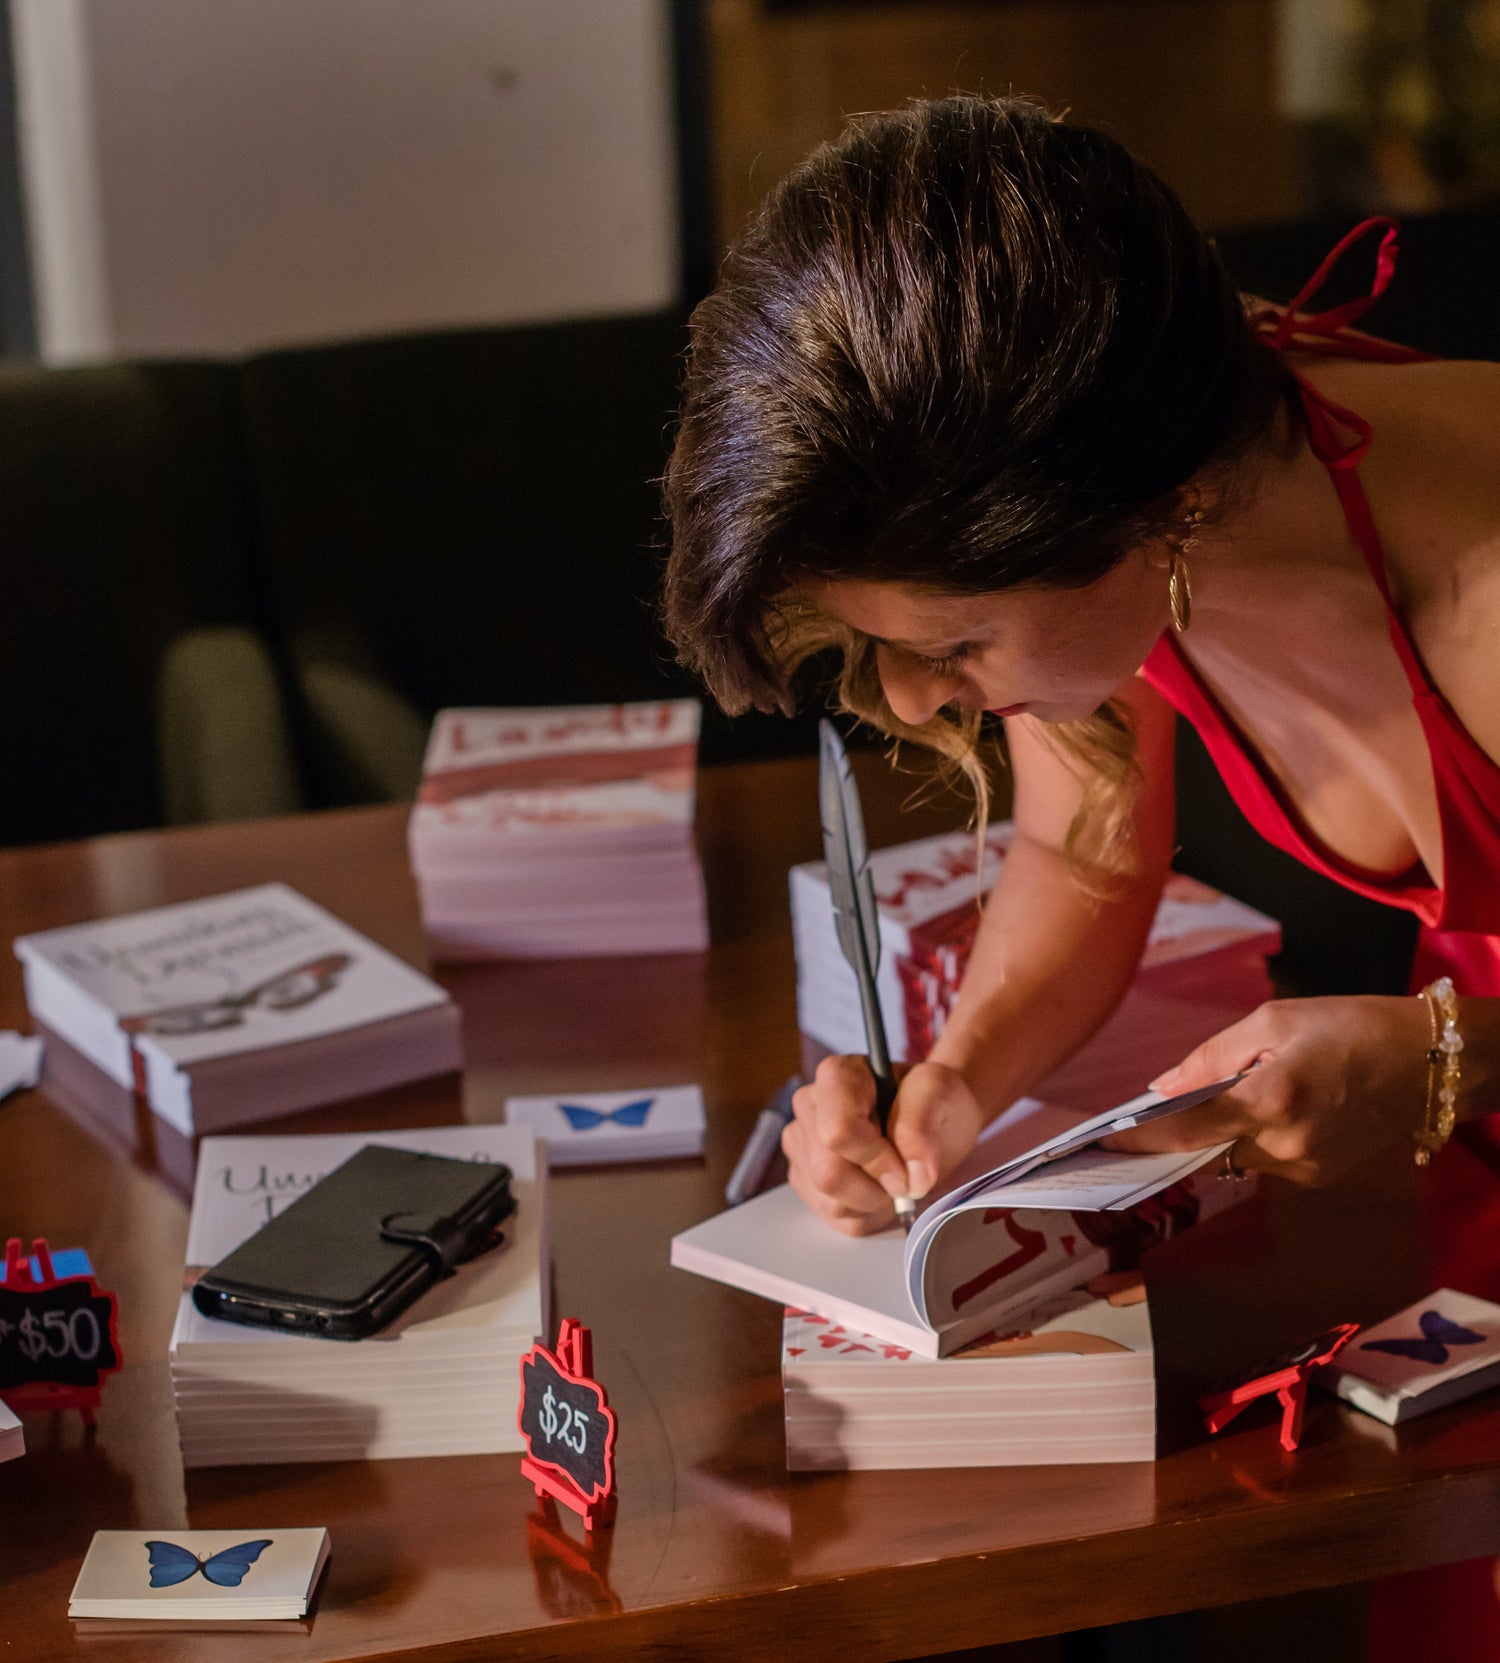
x=219 y=177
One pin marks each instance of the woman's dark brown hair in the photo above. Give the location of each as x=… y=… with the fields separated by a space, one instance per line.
x=965 y=347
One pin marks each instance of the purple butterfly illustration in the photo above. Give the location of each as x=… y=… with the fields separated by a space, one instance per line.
x=1438 y=1333
x=581 y=1119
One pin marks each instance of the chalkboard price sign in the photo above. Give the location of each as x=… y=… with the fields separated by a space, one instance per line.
x=58 y=1336
x=568 y=1426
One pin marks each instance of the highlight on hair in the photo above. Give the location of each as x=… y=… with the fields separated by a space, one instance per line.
x=965 y=347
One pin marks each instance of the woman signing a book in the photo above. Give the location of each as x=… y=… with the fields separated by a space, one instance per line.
x=975 y=402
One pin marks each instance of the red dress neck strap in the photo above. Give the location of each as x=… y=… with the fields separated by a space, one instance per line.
x=1340 y=437
x=1283 y=325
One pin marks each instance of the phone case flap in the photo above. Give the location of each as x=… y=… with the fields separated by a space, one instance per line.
x=332 y=1244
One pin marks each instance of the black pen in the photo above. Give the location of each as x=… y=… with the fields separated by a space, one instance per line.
x=855 y=915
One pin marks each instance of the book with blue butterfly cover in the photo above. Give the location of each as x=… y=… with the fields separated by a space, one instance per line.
x=199 y=1578
x=1440 y=1350
x=595 y=1128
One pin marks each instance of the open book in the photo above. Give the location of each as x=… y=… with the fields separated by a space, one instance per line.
x=1037 y=1209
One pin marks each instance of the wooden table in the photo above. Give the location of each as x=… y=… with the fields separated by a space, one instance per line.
x=717 y=1552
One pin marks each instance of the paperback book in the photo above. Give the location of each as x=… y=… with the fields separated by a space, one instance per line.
x=1441 y=1350
x=1037 y=1209
x=560 y=832
x=1203 y=968
x=440 y=1380
x=1073 y=1381
x=198 y=1578
x=595 y=1128
x=238 y=1008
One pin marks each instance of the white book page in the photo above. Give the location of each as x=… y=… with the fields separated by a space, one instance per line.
x=1139 y=1111
x=1094 y=1180
x=1066 y=1172
x=775 y=1246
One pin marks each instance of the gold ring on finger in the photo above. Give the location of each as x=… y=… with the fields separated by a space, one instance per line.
x=1229 y=1167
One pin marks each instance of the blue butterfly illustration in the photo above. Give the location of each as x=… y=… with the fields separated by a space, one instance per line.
x=1438 y=1333
x=171 y=1564
x=581 y=1119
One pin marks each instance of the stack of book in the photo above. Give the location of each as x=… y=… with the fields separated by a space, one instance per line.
x=225 y=1579
x=233 y=1009
x=1074 y=1383
x=1204 y=966
x=564 y=832
x=441 y=1380
x=1007 y=1327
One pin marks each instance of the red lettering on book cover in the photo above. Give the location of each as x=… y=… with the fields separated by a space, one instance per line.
x=1030 y=1244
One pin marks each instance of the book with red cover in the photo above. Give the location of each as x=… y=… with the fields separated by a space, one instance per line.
x=1204 y=967
x=560 y=832
x=1069 y=1380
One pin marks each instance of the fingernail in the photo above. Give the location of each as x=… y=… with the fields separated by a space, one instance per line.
x=1165 y=1082
x=893 y=1185
x=919 y=1178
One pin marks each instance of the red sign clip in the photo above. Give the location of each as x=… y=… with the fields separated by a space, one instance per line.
x=568 y=1426
x=1287 y=1376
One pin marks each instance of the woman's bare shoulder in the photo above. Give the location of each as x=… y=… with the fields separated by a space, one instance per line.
x=1433 y=469
x=1433 y=477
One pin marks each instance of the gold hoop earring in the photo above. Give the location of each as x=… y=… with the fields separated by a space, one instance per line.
x=1179 y=592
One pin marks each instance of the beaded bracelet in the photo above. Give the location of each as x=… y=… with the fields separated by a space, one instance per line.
x=1443 y=1073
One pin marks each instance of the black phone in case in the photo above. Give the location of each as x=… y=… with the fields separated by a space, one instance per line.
x=353 y=1252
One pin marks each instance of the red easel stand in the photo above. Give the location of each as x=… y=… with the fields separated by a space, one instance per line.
x=43 y=1394
x=1289 y=1384
x=575 y=1352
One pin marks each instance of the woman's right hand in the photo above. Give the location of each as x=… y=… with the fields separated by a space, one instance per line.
x=841 y=1166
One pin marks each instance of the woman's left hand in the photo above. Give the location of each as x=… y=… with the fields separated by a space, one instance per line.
x=1331 y=1081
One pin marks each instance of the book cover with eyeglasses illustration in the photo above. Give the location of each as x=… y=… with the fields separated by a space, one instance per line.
x=237 y=1007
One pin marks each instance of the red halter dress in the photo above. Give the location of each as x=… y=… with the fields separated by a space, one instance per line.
x=1452 y=1613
